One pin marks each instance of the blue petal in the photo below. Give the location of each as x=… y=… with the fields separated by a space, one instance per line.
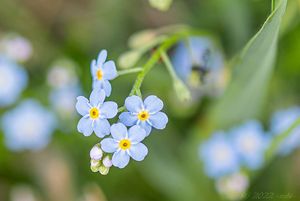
x=85 y=126
x=97 y=97
x=109 y=109
x=120 y=159
x=109 y=145
x=101 y=127
x=146 y=126
x=102 y=57
x=136 y=134
x=82 y=105
x=128 y=119
x=134 y=104
x=159 y=120
x=107 y=88
x=93 y=68
x=118 y=131
x=109 y=70
x=153 y=104
x=138 y=151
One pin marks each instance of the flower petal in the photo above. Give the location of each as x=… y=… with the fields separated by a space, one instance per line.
x=136 y=134
x=93 y=68
x=120 y=159
x=107 y=87
x=109 y=70
x=138 y=151
x=109 y=145
x=101 y=127
x=128 y=119
x=109 y=109
x=153 y=104
x=146 y=126
x=97 y=97
x=118 y=131
x=159 y=120
x=82 y=105
x=134 y=104
x=85 y=126
x=101 y=57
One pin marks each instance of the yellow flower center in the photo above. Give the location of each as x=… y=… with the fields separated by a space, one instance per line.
x=94 y=113
x=143 y=115
x=124 y=144
x=99 y=74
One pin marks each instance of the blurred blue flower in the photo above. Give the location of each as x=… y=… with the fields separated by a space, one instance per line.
x=28 y=127
x=102 y=72
x=13 y=80
x=145 y=114
x=95 y=113
x=280 y=122
x=251 y=143
x=125 y=144
x=200 y=64
x=219 y=156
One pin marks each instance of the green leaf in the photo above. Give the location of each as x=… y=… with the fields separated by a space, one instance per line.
x=251 y=73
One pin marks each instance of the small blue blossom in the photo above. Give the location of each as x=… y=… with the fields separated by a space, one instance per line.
x=95 y=114
x=125 y=144
x=219 y=156
x=28 y=127
x=251 y=143
x=145 y=114
x=200 y=64
x=102 y=72
x=280 y=122
x=13 y=80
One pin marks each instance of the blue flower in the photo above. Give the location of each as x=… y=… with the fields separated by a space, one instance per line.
x=102 y=72
x=251 y=143
x=280 y=122
x=145 y=114
x=28 y=127
x=95 y=114
x=13 y=80
x=125 y=144
x=199 y=63
x=219 y=156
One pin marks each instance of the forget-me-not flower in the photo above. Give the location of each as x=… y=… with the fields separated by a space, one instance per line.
x=145 y=114
x=219 y=156
x=13 y=80
x=125 y=144
x=102 y=72
x=280 y=122
x=251 y=143
x=95 y=113
x=28 y=127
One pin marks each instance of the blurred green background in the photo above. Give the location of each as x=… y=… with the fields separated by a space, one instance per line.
x=77 y=30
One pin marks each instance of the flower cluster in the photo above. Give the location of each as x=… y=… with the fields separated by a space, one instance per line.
x=140 y=117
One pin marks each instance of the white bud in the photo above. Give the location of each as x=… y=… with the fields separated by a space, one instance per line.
x=103 y=170
x=142 y=38
x=96 y=152
x=95 y=164
x=107 y=161
x=162 y=5
x=129 y=59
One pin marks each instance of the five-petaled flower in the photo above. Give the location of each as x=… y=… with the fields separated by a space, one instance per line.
x=102 y=72
x=145 y=114
x=125 y=144
x=95 y=114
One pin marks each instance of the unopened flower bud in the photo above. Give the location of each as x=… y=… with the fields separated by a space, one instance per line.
x=142 y=38
x=181 y=90
x=107 y=161
x=129 y=59
x=96 y=152
x=103 y=170
x=95 y=164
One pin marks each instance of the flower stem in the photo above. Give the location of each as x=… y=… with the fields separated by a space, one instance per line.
x=129 y=71
x=169 y=65
x=272 y=5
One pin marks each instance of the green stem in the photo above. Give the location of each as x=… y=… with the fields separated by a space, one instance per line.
x=169 y=65
x=129 y=71
x=272 y=5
